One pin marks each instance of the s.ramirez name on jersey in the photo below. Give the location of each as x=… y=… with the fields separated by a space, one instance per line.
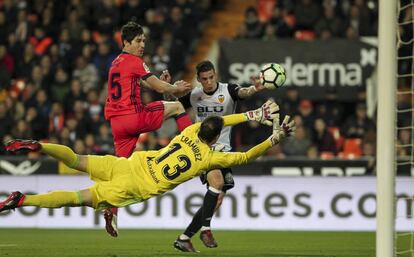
x=193 y=145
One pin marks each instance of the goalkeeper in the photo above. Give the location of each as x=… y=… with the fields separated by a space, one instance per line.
x=121 y=181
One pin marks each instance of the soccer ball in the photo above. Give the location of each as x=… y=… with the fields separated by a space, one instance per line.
x=272 y=76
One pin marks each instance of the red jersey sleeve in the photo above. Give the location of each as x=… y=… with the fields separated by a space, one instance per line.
x=140 y=69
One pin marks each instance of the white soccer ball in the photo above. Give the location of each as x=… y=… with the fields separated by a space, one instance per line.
x=272 y=75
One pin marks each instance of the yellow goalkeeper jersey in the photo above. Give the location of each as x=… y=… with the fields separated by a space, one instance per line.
x=185 y=157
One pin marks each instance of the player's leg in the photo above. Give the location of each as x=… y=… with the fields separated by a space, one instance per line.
x=59 y=152
x=216 y=183
x=176 y=110
x=203 y=216
x=54 y=199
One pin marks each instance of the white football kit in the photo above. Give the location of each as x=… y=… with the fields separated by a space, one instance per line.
x=218 y=103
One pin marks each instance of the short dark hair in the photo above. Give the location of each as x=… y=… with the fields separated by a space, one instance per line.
x=130 y=30
x=210 y=128
x=204 y=66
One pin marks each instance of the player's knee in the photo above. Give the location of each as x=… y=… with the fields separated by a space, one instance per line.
x=215 y=179
x=179 y=108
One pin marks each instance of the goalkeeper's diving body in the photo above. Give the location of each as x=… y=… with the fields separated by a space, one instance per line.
x=123 y=181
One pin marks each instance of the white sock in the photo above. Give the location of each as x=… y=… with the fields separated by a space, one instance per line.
x=205 y=228
x=183 y=237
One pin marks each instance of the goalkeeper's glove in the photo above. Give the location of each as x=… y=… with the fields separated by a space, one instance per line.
x=287 y=128
x=264 y=114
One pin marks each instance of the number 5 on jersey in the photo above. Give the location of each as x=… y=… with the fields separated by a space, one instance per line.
x=116 y=90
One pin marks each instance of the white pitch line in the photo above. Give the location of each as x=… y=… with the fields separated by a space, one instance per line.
x=8 y=245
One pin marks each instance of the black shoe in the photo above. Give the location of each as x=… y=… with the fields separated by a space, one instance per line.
x=184 y=245
x=207 y=238
x=22 y=146
x=14 y=200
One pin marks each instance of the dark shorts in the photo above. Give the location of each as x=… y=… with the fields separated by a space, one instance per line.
x=127 y=128
x=227 y=175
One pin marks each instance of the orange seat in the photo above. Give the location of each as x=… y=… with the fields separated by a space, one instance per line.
x=352 y=148
x=326 y=155
x=305 y=35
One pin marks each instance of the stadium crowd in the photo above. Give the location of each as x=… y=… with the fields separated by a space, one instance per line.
x=55 y=56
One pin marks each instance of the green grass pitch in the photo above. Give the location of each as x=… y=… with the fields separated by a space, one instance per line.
x=54 y=242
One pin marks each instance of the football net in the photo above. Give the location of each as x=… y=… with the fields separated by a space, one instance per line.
x=404 y=235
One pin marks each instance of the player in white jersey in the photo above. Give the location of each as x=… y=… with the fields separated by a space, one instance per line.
x=212 y=99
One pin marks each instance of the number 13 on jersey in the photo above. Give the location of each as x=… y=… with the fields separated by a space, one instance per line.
x=180 y=164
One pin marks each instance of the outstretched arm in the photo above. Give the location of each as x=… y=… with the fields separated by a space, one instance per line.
x=264 y=115
x=224 y=160
x=247 y=92
x=179 y=88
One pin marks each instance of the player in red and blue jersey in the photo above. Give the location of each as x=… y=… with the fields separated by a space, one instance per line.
x=128 y=116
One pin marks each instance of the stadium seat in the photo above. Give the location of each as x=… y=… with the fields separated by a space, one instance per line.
x=326 y=155
x=305 y=35
x=352 y=148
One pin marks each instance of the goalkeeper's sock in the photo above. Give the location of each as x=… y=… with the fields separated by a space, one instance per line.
x=54 y=199
x=183 y=120
x=61 y=153
x=209 y=205
x=194 y=226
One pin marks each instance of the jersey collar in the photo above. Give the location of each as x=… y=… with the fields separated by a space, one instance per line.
x=211 y=93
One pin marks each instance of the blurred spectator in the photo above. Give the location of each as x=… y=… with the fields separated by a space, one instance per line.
x=104 y=140
x=152 y=142
x=298 y=144
x=95 y=111
x=79 y=147
x=253 y=26
x=86 y=73
x=74 y=25
x=25 y=63
x=38 y=124
x=358 y=124
x=106 y=16
x=6 y=67
x=82 y=117
x=282 y=27
x=329 y=22
x=269 y=33
x=306 y=112
x=322 y=138
x=60 y=86
x=22 y=130
x=23 y=28
x=160 y=60
x=40 y=41
x=5 y=118
x=134 y=10
x=289 y=104
x=103 y=60
x=90 y=146
x=42 y=104
x=4 y=29
x=404 y=143
x=56 y=119
x=307 y=13
x=313 y=152
x=154 y=21
x=75 y=94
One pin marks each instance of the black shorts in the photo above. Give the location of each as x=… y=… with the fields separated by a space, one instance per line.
x=227 y=175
